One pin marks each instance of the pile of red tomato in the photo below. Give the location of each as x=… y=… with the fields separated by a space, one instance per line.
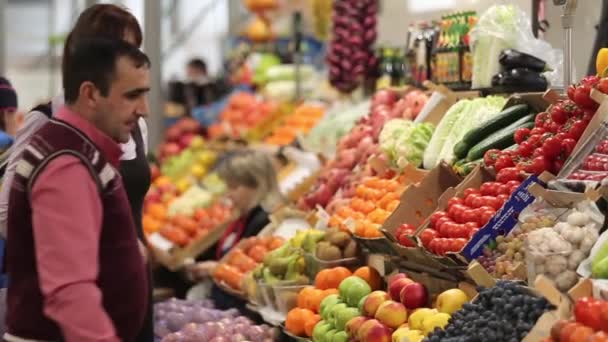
x=590 y=323
x=451 y=229
x=554 y=136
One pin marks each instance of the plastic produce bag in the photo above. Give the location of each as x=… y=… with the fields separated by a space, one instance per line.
x=507 y=26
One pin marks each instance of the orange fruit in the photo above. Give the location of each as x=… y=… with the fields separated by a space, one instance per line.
x=331 y=277
x=157 y=211
x=303 y=296
x=392 y=206
x=296 y=319
x=310 y=325
x=150 y=224
x=371 y=276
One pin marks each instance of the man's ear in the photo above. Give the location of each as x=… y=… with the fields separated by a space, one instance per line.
x=88 y=93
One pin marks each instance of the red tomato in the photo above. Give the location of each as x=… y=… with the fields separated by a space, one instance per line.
x=488 y=188
x=492 y=202
x=456 y=245
x=471 y=191
x=447 y=229
x=537 y=130
x=587 y=312
x=456 y=211
x=469 y=215
x=436 y=216
x=571 y=90
x=534 y=140
x=552 y=147
x=503 y=162
x=567 y=146
x=478 y=202
x=462 y=231
x=473 y=232
x=577 y=129
x=441 y=221
x=504 y=197
x=539 y=165
x=558 y=114
x=404 y=239
x=405 y=227
x=525 y=149
x=541 y=120
x=508 y=174
x=503 y=189
x=455 y=200
x=490 y=156
x=513 y=183
x=427 y=236
x=433 y=245
x=485 y=217
x=521 y=135
x=469 y=200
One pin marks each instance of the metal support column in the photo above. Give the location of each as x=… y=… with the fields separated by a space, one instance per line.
x=2 y=37
x=152 y=46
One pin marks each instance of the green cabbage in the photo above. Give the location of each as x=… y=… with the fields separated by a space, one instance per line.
x=404 y=142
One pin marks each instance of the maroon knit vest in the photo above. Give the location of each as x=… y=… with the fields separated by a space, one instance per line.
x=121 y=278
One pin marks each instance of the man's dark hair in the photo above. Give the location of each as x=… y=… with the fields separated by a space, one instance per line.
x=199 y=64
x=94 y=60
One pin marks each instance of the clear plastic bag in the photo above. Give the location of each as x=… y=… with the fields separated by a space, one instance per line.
x=506 y=26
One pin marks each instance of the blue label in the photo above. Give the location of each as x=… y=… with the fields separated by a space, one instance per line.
x=503 y=221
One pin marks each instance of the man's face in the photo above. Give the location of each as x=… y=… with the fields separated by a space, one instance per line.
x=127 y=100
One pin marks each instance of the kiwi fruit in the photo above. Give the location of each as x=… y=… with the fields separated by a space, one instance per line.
x=338 y=239
x=328 y=252
x=351 y=249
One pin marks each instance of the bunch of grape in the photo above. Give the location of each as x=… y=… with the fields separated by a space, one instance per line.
x=510 y=250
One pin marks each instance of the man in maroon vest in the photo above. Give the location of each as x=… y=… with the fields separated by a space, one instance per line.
x=74 y=267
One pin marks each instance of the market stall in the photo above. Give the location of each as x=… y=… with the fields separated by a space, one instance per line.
x=424 y=212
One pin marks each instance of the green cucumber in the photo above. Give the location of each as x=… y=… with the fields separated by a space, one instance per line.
x=501 y=139
x=470 y=166
x=502 y=119
x=460 y=149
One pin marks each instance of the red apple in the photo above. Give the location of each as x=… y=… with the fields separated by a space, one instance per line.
x=414 y=296
x=384 y=96
x=185 y=139
x=396 y=286
x=170 y=149
x=397 y=276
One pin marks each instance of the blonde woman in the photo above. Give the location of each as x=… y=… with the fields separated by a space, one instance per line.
x=254 y=191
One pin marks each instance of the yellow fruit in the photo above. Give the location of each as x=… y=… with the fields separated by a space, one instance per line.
x=198 y=171
x=258 y=30
x=183 y=184
x=601 y=61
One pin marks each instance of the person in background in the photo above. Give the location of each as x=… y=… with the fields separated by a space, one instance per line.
x=100 y=21
x=75 y=270
x=8 y=107
x=254 y=192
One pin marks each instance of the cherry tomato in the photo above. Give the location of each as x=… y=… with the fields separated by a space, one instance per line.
x=513 y=183
x=493 y=202
x=471 y=191
x=504 y=197
x=553 y=127
x=582 y=97
x=436 y=216
x=503 y=189
x=521 y=135
x=427 y=236
x=490 y=156
x=447 y=229
x=539 y=165
x=488 y=188
x=503 y=162
x=508 y=174
x=478 y=202
x=552 y=147
x=563 y=136
x=525 y=149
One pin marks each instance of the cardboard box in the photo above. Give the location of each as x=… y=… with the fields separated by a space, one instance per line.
x=417 y=203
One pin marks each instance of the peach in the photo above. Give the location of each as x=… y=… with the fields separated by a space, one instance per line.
x=373 y=301
x=391 y=314
x=353 y=326
x=377 y=333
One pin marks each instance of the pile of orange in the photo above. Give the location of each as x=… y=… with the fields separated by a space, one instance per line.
x=246 y=256
x=302 y=120
x=243 y=112
x=301 y=320
x=374 y=201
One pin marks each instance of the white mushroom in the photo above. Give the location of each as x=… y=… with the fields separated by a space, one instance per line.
x=556 y=264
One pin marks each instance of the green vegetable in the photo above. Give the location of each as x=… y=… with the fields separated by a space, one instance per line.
x=484 y=130
x=500 y=140
x=599 y=264
x=459 y=119
x=404 y=141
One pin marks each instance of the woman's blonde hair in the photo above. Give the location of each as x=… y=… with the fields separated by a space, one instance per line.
x=255 y=170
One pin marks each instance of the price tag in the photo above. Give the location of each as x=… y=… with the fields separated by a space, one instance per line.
x=159 y=242
x=350 y=224
x=322 y=218
x=376 y=261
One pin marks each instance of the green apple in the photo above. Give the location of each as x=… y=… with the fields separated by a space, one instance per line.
x=352 y=289
x=329 y=335
x=407 y=335
x=333 y=312
x=361 y=303
x=439 y=320
x=327 y=303
x=451 y=301
x=340 y=337
x=318 y=333
x=416 y=318
x=343 y=316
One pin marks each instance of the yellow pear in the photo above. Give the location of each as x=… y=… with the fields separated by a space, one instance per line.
x=451 y=301
x=416 y=318
x=439 y=320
